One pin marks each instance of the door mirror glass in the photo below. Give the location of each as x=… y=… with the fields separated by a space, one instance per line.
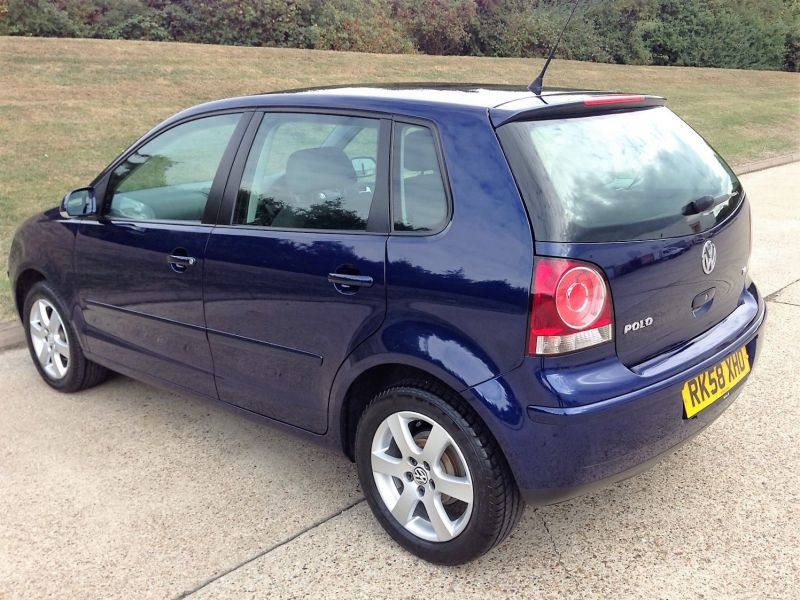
x=365 y=166
x=79 y=203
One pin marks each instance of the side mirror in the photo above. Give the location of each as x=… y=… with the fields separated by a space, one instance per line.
x=364 y=166
x=79 y=203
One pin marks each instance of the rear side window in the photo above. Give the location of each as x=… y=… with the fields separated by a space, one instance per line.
x=419 y=202
x=616 y=177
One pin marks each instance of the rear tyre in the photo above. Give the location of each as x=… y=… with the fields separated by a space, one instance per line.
x=433 y=476
x=53 y=343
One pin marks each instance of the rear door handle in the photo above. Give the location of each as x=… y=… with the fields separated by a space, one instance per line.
x=347 y=280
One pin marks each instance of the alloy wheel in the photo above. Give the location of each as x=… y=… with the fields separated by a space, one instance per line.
x=49 y=338
x=422 y=476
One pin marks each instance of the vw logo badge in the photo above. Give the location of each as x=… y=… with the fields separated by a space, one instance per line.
x=420 y=476
x=709 y=256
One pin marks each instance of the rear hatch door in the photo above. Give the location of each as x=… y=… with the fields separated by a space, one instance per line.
x=643 y=196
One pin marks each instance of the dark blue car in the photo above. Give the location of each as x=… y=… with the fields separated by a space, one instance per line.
x=481 y=295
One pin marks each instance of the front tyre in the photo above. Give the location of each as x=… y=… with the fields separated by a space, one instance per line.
x=53 y=343
x=433 y=476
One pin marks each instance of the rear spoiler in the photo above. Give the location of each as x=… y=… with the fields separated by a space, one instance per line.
x=535 y=108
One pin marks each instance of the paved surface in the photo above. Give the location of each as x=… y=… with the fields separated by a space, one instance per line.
x=126 y=491
x=11 y=335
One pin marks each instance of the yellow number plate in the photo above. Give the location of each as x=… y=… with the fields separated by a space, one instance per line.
x=714 y=383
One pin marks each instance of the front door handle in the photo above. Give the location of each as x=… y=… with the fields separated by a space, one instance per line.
x=180 y=263
x=348 y=281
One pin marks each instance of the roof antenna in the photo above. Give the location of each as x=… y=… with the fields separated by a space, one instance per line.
x=536 y=84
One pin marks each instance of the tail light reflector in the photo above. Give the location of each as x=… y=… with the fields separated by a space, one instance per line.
x=570 y=307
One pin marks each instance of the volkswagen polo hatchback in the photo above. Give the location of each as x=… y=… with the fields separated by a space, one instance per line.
x=481 y=295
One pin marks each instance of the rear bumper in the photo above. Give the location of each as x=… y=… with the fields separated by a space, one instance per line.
x=634 y=447
x=558 y=452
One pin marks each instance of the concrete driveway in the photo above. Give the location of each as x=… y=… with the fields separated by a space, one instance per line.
x=127 y=491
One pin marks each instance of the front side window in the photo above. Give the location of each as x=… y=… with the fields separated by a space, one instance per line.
x=310 y=171
x=419 y=202
x=170 y=177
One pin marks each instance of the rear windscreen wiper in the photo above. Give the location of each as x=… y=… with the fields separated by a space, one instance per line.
x=706 y=203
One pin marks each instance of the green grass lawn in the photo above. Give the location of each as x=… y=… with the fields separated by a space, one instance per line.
x=68 y=107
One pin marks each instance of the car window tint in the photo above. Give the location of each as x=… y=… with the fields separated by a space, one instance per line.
x=292 y=136
x=301 y=173
x=364 y=144
x=419 y=201
x=169 y=178
x=621 y=176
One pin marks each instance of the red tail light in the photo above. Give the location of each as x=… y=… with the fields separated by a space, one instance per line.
x=570 y=307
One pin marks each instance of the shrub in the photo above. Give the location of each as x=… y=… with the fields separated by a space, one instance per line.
x=717 y=33
x=36 y=18
x=752 y=34
x=125 y=19
x=367 y=26
x=438 y=26
x=139 y=27
x=791 y=48
x=617 y=24
x=520 y=28
x=285 y=23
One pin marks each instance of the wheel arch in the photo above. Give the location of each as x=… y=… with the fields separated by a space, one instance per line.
x=24 y=282
x=366 y=385
x=375 y=378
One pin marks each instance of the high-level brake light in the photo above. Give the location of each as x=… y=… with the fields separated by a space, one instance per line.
x=618 y=99
x=570 y=307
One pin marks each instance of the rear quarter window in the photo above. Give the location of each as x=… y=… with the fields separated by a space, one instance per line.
x=419 y=200
x=619 y=176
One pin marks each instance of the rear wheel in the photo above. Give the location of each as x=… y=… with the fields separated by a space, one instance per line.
x=433 y=476
x=53 y=344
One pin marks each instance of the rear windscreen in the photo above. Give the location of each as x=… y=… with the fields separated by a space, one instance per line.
x=635 y=175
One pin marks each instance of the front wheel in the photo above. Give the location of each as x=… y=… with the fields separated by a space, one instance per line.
x=53 y=343
x=433 y=476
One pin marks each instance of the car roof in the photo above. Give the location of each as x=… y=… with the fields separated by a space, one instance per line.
x=479 y=95
x=503 y=103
